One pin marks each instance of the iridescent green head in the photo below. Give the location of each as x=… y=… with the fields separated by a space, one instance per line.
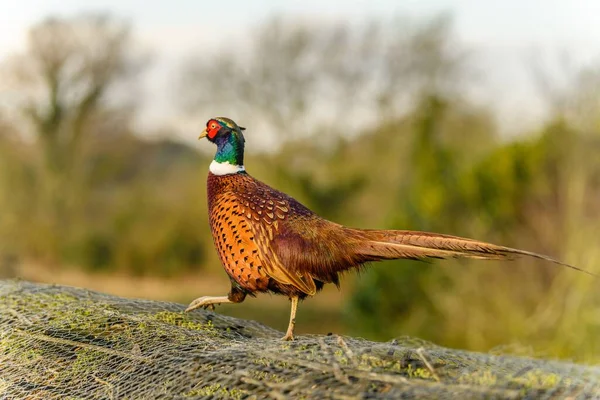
x=228 y=137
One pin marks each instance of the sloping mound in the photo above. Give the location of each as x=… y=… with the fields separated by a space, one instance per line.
x=60 y=342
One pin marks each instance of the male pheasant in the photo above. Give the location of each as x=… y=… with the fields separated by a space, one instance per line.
x=269 y=242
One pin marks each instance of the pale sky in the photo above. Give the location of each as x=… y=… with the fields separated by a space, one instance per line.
x=502 y=34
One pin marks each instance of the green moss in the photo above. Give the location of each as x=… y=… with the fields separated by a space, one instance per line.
x=369 y=362
x=262 y=361
x=286 y=346
x=68 y=312
x=479 y=378
x=218 y=391
x=182 y=320
x=267 y=362
x=419 y=373
x=538 y=380
x=266 y=376
x=19 y=349
x=88 y=361
x=61 y=297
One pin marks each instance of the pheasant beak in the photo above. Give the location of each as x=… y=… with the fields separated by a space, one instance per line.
x=203 y=134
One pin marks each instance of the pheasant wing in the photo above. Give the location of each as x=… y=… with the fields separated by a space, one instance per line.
x=273 y=265
x=265 y=209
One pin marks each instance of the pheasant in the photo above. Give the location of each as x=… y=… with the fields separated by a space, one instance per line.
x=269 y=242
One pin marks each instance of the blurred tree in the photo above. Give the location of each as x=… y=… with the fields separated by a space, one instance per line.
x=65 y=78
x=302 y=79
x=144 y=214
x=69 y=86
x=82 y=188
x=274 y=81
x=432 y=197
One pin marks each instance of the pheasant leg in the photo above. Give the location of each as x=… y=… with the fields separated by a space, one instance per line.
x=289 y=335
x=236 y=295
x=206 y=302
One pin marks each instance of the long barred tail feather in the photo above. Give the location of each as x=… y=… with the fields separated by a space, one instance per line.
x=395 y=244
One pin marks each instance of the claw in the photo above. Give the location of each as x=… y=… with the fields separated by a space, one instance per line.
x=206 y=302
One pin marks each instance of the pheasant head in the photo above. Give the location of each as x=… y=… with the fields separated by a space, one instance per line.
x=228 y=136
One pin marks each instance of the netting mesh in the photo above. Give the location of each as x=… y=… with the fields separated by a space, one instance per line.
x=60 y=342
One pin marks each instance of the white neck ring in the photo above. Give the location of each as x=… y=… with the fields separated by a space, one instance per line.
x=225 y=168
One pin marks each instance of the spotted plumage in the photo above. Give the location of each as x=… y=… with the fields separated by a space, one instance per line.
x=269 y=242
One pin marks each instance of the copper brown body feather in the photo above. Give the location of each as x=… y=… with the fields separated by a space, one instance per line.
x=268 y=241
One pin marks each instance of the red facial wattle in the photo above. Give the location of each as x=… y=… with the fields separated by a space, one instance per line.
x=212 y=128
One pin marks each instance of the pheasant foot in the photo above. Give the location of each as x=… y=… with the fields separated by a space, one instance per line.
x=206 y=302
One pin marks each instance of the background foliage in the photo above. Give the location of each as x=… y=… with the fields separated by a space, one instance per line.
x=369 y=125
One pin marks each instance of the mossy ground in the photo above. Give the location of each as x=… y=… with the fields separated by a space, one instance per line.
x=60 y=342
